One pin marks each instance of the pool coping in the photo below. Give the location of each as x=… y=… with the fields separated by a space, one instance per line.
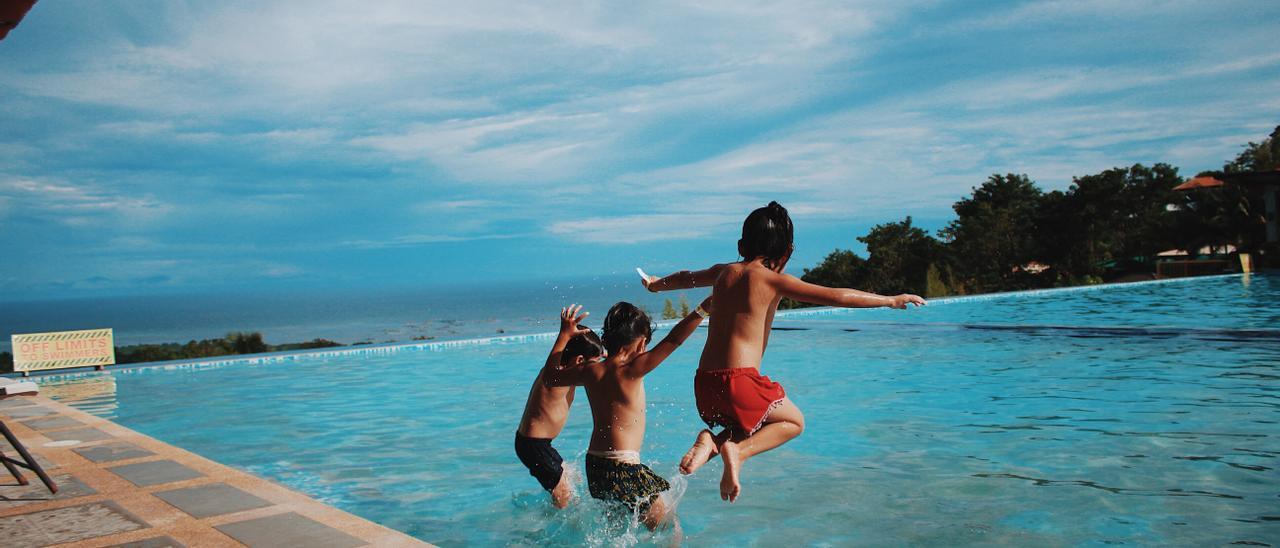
x=387 y=348
x=129 y=486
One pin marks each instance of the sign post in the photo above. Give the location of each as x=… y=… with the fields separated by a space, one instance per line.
x=63 y=349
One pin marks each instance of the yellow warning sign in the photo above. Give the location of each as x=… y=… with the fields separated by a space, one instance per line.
x=40 y=351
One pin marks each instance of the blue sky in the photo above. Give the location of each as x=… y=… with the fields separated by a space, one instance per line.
x=169 y=146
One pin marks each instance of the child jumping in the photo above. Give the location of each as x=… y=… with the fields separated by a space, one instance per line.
x=730 y=391
x=615 y=389
x=548 y=407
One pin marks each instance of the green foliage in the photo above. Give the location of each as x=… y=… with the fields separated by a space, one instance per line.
x=1264 y=156
x=841 y=268
x=903 y=259
x=316 y=343
x=6 y=362
x=900 y=257
x=938 y=282
x=684 y=306
x=1102 y=227
x=668 y=311
x=246 y=343
x=1119 y=217
x=993 y=235
x=232 y=344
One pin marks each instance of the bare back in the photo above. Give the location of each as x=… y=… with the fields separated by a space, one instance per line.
x=546 y=410
x=617 y=407
x=746 y=299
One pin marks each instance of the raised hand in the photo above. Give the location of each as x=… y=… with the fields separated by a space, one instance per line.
x=570 y=317
x=646 y=280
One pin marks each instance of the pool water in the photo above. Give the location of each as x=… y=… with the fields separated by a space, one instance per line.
x=1138 y=414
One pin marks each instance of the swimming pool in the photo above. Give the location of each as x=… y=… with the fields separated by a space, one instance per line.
x=1138 y=414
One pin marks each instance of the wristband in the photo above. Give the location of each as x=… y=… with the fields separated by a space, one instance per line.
x=701 y=312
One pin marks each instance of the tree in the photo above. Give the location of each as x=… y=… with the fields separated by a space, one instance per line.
x=1264 y=156
x=668 y=311
x=1117 y=219
x=993 y=236
x=684 y=306
x=246 y=343
x=1149 y=223
x=899 y=258
x=840 y=268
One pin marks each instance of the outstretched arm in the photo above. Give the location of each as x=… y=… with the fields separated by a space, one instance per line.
x=800 y=290
x=650 y=360
x=684 y=279
x=553 y=373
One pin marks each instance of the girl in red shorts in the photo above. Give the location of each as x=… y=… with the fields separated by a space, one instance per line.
x=753 y=411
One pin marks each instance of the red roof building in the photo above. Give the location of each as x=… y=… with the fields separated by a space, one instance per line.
x=1199 y=182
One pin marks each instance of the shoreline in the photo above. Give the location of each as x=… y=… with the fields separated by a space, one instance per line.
x=348 y=315
x=437 y=345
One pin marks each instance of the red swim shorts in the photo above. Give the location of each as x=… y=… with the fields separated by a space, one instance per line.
x=738 y=398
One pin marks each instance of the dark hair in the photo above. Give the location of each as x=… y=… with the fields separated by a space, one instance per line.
x=767 y=233
x=623 y=324
x=584 y=343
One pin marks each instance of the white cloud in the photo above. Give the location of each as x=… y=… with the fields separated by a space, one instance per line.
x=1060 y=12
x=413 y=240
x=631 y=229
x=78 y=204
x=514 y=148
x=454 y=205
x=997 y=91
x=922 y=152
x=422 y=54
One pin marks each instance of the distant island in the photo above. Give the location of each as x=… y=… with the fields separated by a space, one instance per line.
x=235 y=343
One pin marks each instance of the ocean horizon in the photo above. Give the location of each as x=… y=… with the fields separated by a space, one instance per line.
x=346 y=315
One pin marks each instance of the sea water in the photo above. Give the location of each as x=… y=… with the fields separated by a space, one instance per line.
x=1143 y=414
x=346 y=315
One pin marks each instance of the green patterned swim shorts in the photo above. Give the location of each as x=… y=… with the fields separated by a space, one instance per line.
x=632 y=484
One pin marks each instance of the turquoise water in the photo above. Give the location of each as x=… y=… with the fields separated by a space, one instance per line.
x=1143 y=414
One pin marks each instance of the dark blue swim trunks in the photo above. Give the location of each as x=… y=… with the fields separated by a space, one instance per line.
x=542 y=460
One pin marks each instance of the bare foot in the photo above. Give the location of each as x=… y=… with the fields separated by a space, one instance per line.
x=562 y=494
x=699 y=454
x=729 y=486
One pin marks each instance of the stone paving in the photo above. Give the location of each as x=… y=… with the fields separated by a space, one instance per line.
x=120 y=488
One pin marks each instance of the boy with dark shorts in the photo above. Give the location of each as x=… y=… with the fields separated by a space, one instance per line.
x=615 y=390
x=548 y=407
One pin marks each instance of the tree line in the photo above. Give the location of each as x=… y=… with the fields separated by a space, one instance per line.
x=1010 y=235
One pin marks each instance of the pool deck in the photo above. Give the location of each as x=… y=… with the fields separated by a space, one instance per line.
x=120 y=488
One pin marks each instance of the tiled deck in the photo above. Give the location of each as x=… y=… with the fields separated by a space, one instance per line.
x=120 y=488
